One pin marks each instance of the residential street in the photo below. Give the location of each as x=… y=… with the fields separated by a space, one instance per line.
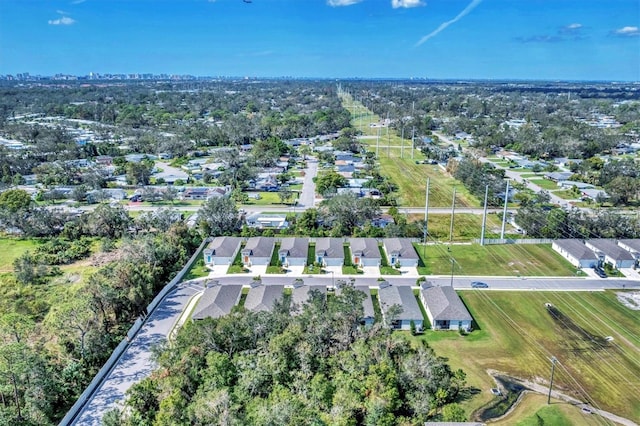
x=136 y=364
x=308 y=194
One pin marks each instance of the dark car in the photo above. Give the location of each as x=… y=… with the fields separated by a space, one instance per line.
x=479 y=284
x=600 y=272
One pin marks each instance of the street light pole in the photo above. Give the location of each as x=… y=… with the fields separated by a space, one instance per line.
x=553 y=367
x=332 y=282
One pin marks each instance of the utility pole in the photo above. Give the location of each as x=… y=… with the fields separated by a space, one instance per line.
x=484 y=215
x=553 y=367
x=402 y=142
x=426 y=213
x=378 y=143
x=413 y=139
x=388 y=137
x=504 y=213
x=453 y=212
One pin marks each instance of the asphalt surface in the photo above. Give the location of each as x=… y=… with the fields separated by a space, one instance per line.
x=135 y=363
x=308 y=194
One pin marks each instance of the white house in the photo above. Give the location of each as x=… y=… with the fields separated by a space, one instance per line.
x=632 y=246
x=257 y=251
x=612 y=252
x=329 y=251
x=390 y=295
x=445 y=309
x=576 y=252
x=400 y=250
x=364 y=252
x=293 y=251
x=221 y=251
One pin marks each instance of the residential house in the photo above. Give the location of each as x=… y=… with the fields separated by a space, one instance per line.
x=293 y=251
x=263 y=297
x=217 y=300
x=196 y=193
x=364 y=252
x=265 y=220
x=632 y=246
x=104 y=160
x=594 y=194
x=329 y=251
x=568 y=184
x=445 y=309
x=369 y=314
x=559 y=176
x=257 y=251
x=301 y=293
x=390 y=295
x=576 y=252
x=400 y=251
x=221 y=251
x=383 y=220
x=613 y=254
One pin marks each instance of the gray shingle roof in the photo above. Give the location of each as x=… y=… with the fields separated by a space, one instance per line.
x=263 y=297
x=444 y=304
x=634 y=244
x=259 y=246
x=401 y=247
x=367 y=303
x=365 y=247
x=576 y=248
x=294 y=247
x=223 y=246
x=217 y=301
x=331 y=248
x=610 y=248
x=300 y=294
x=403 y=296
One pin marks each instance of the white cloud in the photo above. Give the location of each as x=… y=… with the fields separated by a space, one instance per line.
x=406 y=3
x=573 y=26
x=62 y=12
x=78 y=1
x=336 y=3
x=628 y=31
x=444 y=25
x=65 y=20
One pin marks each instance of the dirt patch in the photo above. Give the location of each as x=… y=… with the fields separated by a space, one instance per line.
x=103 y=258
x=576 y=338
x=630 y=299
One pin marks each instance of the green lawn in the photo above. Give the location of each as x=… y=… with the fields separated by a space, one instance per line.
x=197 y=270
x=533 y=410
x=466 y=226
x=544 y=184
x=567 y=194
x=11 y=249
x=269 y=198
x=497 y=260
x=517 y=336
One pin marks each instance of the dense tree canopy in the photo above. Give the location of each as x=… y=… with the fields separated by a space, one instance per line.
x=271 y=368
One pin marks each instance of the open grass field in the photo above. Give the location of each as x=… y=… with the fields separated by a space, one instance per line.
x=534 y=411
x=11 y=249
x=466 y=226
x=495 y=260
x=397 y=164
x=516 y=335
x=269 y=198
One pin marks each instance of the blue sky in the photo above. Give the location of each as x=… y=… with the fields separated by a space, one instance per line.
x=476 y=39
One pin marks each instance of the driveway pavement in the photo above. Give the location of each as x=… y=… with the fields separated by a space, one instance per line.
x=257 y=270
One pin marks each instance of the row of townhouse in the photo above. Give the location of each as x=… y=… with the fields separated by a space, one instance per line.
x=596 y=252
x=444 y=309
x=294 y=251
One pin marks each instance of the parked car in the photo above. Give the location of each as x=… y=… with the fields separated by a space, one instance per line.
x=479 y=284
x=600 y=272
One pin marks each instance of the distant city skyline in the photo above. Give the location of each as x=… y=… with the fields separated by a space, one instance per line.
x=435 y=39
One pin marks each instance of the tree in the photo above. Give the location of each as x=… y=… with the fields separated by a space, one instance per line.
x=74 y=320
x=28 y=269
x=329 y=182
x=14 y=200
x=623 y=189
x=453 y=413
x=349 y=211
x=108 y=221
x=219 y=216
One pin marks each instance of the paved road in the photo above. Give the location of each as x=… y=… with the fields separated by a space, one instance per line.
x=308 y=194
x=169 y=171
x=135 y=364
